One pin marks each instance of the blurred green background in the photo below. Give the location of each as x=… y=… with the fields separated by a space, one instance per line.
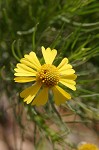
x=71 y=27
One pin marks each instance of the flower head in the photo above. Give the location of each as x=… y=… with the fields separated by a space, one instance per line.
x=45 y=78
x=88 y=146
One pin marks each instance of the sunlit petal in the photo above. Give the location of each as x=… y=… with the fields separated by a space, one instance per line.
x=49 y=55
x=27 y=63
x=41 y=98
x=24 y=74
x=60 y=96
x=24 y=67
x=32 y=58
x=67 y=72
x=63 y=62
x=65 y=67
x=69 y=77
x=69 y=83
x=24 y=79
x=23 y=70
x=29 y=93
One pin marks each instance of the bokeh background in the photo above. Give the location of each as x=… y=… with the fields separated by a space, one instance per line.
x=71 y=27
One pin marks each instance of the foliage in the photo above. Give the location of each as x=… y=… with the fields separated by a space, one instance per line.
x=72 y=28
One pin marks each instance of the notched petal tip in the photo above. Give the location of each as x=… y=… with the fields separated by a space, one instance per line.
x=62 y=63
x=74 y=89
x=15 y=69
x=15 y=80
x=43 y=48
x=49 y=55
x=32 y=53
x=75 y=76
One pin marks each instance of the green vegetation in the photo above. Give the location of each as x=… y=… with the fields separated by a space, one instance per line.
x=72 y=28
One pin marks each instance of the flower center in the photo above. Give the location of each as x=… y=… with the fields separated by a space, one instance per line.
x=48 y=75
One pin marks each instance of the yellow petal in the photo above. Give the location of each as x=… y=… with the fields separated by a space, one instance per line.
x=69 y=83
x=27 y=63
x=24 y=79
x=24 y=67
x=49 y=55
x=69 y=77
x=24 y=74
x=65 y=67
x=60 y=96
x=41 y=98
x=23 y=70
x=32 y=58
x=30 y=89
x=67 y=72
x=29 y=93
x=63 y=62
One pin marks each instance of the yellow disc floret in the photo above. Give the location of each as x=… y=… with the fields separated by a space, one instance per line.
x=48 y=75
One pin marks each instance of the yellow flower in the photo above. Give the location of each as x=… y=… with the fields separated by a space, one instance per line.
x=45 y=78
x=88 y=146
